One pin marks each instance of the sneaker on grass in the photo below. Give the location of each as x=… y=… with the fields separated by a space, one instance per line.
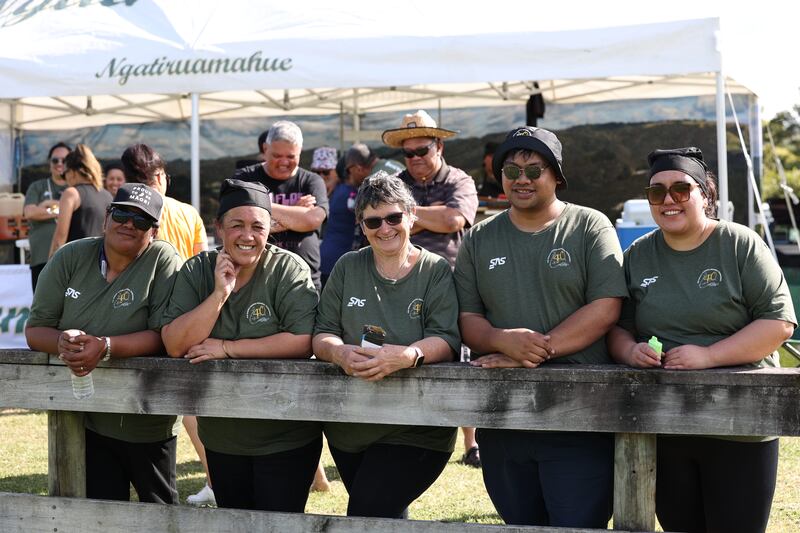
x=204 y=498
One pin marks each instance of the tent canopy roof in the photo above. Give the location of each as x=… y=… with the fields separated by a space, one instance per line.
x=85 y=64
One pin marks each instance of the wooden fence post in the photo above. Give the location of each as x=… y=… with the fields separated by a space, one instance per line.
x=66 y=454
x=635 y=482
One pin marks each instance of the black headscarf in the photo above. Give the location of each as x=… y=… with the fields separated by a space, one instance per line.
x=236 y=193
x=687 y=160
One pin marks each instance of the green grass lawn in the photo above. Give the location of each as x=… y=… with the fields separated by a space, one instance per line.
x=457 y=496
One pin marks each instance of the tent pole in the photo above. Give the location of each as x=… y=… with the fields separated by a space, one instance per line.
x=722 y=150
x=356 y=117
x=195 y=172
x=756 y=153
x=341 y=126
x=11 y=167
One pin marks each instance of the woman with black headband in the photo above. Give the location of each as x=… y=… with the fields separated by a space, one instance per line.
x=248 y=300
x=713 y=295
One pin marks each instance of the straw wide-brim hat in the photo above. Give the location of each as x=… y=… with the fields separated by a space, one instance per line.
x=419 y=124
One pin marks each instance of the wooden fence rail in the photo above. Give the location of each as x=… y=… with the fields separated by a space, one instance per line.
x=634 y=404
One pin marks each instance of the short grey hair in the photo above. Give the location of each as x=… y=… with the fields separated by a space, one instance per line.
x=381 y=188
x=287 y=131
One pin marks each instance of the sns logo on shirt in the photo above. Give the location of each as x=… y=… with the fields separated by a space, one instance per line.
x=497 y=261
x=558 y=258
x=646 y=282
x=710 y=277
x=72 y=293
x=258 y=313
x=356 y=302
x=122 y=298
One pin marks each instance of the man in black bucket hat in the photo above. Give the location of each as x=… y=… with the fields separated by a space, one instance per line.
x=541 y=282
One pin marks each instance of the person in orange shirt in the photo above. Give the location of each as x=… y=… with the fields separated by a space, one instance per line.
x=181 y=226
x=180 y=223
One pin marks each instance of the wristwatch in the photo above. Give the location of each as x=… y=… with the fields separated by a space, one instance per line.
x=420 y=359
x=107 y=355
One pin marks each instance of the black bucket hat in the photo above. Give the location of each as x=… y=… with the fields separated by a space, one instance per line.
x=539 y=140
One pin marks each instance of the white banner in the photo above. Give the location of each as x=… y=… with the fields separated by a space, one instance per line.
x=96 y=47
x=15 y=304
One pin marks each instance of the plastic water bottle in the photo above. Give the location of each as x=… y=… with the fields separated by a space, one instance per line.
x=82 y=386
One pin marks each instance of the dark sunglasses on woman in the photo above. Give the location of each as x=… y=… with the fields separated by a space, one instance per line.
x=375 y=222
x=140 y=222
x=680 y=192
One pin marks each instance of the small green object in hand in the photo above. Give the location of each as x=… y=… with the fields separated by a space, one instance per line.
x=655 y=344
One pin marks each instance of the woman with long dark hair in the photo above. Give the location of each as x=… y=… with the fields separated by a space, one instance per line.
x=83 y=204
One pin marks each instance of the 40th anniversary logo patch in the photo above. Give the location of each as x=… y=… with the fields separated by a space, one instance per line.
x=258 y=313
x=122 y=298
x=415 y=308
x=711 y=277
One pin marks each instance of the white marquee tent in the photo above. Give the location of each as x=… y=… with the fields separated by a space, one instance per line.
x=77 y=63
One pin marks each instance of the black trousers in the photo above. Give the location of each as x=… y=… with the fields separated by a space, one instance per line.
x=274 y=482
x=715 y=485
x=384 y=479
x=563 y=479
x=113 y=465
x=35 y=271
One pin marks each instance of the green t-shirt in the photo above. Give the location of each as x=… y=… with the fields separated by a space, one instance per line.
x=704 y=295
x=279 y=297
x=72 y=294
x=422 y=304
x=536 y=280
x=40 y=233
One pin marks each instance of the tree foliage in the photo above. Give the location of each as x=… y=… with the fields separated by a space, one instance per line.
x=785 y=128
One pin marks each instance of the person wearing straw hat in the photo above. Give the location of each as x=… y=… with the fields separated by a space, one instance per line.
x=567 y=262
x=446 y=197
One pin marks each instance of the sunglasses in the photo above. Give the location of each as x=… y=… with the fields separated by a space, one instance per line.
x=532 y=172
x=422 y=151
x=322 y=172
x=140 y=222
x=680 y=192
x=376 y=222
x=57 y=160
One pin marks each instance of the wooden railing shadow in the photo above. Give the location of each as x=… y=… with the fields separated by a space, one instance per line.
x=635 y=404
